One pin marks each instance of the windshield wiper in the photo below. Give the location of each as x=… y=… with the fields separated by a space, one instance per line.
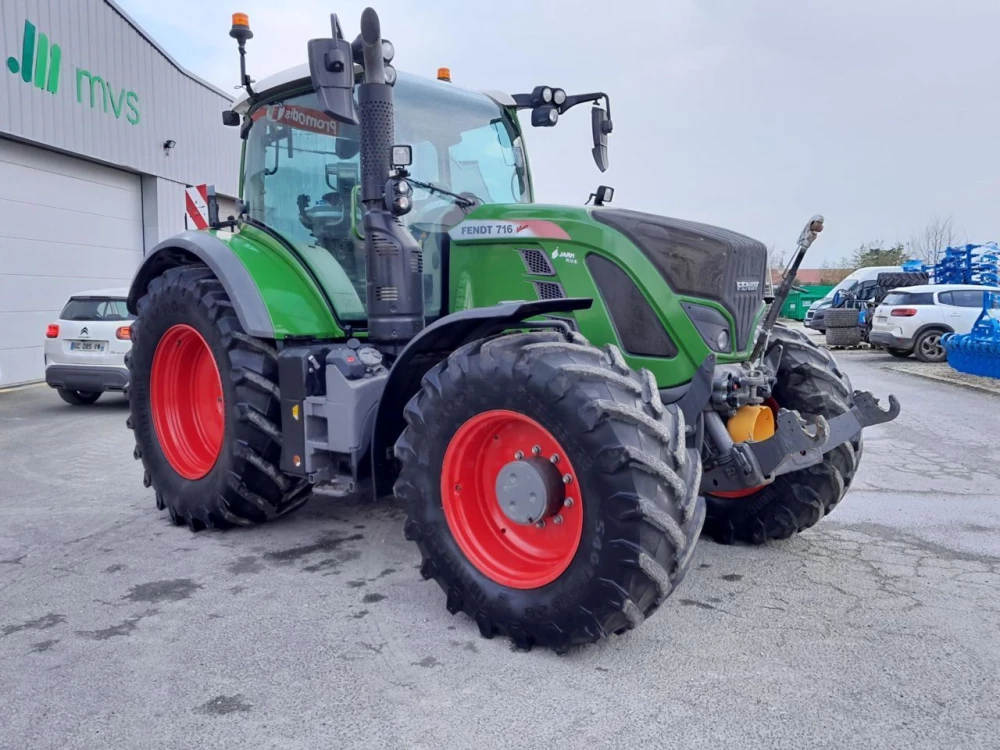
x=461 y=200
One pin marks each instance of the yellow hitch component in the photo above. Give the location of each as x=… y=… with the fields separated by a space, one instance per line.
x=751 y=424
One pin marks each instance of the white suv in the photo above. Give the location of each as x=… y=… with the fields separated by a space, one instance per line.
x=913 y=319
x=85 y=348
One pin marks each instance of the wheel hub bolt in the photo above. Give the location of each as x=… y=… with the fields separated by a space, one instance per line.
x=555 y=458
x=540 y=524
x=536 y=450
x=568 y=502
x=519 y=455
x=557 y=520
x=567 y=478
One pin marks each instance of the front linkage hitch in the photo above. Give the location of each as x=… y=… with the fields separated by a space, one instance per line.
x=792 y=447
x=796 y=444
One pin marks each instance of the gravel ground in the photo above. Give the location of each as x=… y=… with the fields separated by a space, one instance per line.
x=880 y=628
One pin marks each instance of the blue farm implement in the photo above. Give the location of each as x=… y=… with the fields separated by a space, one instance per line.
x=970 y=264
x=978 y=352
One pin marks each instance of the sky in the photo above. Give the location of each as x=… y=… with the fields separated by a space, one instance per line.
x=878 y=114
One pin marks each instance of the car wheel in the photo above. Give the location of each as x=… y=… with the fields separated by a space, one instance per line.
x=928 y=347
x=901 y=353
x=78 y=398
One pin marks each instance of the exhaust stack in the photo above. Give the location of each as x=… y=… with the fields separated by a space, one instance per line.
x=394 y=262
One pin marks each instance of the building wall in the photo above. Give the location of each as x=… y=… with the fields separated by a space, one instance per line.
x=116 y=97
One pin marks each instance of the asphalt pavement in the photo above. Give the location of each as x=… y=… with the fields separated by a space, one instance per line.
x=880 y=628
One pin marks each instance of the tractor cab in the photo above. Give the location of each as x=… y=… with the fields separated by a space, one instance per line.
x=302 y=174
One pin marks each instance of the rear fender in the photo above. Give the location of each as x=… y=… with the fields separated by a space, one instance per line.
x=200 y=247
x=429 y=347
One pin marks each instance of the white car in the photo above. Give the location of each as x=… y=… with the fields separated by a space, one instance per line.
x=85 y=348
x=912 y=320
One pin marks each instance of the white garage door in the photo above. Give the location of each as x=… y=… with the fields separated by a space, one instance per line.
x=66 y=225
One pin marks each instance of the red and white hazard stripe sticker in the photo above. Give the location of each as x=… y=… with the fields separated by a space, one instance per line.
x=196 y=204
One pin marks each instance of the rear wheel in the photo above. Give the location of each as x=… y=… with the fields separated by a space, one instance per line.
x=928 y=347
x=205 y=407
x=551 y=494
x=78 y=398
x=809 y=382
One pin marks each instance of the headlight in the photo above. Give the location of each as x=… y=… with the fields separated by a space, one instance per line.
x=388 y=51
x=723 y=340
x=712 y=325
x=390 y=75
x=558 y=97
x=546 y=95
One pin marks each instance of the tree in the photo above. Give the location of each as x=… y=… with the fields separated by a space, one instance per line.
x=929 y=244
x=874 y=254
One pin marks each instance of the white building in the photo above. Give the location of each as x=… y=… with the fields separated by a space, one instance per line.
x=100 y=132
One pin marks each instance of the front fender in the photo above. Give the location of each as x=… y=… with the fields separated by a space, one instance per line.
x=202 y=247
x=429 y=347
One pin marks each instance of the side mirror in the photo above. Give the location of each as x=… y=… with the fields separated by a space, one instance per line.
x=601 y=126
x=230 y=119
x=331 y=67
x=604 y=194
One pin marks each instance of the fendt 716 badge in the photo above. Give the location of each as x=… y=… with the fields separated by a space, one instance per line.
x=481 y=229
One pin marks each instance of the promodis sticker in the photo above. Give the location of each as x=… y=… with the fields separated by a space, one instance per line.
x=299 y=118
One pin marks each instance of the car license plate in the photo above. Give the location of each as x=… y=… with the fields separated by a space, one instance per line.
x=87 y=346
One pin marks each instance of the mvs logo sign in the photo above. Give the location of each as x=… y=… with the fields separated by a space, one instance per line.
x=40 y=63
x=43 y=67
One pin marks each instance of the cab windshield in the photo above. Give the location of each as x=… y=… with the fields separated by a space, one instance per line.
x=302 y=176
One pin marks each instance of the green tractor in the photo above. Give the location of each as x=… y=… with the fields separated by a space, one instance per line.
x=563 y=397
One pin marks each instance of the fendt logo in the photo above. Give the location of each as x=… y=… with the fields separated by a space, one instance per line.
x=43 y=67
x=40 y=63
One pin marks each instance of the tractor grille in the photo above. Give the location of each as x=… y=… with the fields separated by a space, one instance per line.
x=387 y=293
x=537 y=262
x=417 y=261
x=548 y=290
x=701 y=261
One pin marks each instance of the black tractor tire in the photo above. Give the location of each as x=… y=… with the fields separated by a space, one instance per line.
x=928 y=348
x=810 y=382
x=841 y=319
x=844 y=336
x=901 y=353
x=78 y=398
x=637 y=482
x=245 y=485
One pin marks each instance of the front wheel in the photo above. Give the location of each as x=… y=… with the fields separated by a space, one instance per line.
x=205 y=407
x=810 y=382
x=552 y=495
x=78 y=398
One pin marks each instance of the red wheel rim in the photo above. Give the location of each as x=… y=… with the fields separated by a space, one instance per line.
x=185 y=396
x=511 y=554
x=737 y=494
